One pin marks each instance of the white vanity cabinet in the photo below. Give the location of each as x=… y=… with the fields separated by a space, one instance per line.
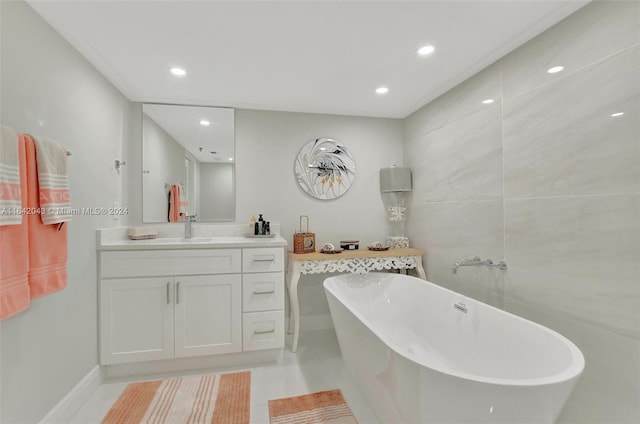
x=176 y=303
x=161 y=304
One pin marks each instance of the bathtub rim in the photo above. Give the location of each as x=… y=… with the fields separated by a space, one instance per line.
x=572 y=372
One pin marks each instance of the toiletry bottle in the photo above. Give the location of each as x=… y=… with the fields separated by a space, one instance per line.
x=267 y=228
x=260 y=225
x=252 y=225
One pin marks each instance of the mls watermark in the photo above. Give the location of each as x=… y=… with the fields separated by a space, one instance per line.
x=92 y=211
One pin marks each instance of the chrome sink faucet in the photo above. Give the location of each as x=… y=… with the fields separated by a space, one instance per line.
x=187 y=226
x=477 y=262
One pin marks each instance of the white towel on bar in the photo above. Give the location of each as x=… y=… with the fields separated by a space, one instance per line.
x=10 y=195
x=184 y=204
x=53 y=181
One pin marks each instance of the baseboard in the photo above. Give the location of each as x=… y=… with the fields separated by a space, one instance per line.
x=315 y=322
x=67 y=408
x=212 y=363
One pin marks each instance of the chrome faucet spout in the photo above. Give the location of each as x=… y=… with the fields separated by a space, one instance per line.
x=477 y=262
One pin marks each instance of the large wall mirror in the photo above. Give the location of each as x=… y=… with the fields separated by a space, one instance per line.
x=188 y=163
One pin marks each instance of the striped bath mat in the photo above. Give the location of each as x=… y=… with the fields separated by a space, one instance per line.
x=316 y=408
x=211 y=399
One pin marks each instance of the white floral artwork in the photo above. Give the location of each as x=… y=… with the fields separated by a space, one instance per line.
x=324 y=168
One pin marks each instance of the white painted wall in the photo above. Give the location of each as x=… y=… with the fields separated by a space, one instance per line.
x=217 y=191
x=266 y=146
x=164 y=160
x=49 y=89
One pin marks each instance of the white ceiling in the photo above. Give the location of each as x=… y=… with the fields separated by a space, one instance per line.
x=303 y=56
x=211 y=143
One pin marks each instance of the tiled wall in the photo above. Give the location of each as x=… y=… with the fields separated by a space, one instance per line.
x=547 y=179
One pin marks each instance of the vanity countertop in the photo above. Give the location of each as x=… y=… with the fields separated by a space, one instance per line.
x=116 y=239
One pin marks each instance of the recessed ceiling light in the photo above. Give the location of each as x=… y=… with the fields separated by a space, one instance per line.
x=230 y=158
x=425 y=50
x=179 y=72
x=382 y=90
x=615 y=115
x=487 y=101
x=555 y=69
x=205 y=123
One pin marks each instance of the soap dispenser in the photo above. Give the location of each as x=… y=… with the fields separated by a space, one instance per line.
x=261 y=226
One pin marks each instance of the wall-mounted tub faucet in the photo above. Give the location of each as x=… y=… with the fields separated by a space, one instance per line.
x=477 y=262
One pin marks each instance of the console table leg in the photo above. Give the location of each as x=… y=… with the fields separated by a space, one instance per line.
x=420 y=268
x=294 y=315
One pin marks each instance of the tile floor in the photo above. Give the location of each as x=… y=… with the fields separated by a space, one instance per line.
x=315 y=367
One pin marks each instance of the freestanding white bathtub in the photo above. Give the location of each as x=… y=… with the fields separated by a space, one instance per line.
x=423 y=354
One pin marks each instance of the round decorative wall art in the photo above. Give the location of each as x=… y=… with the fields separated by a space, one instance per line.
x=324 y=169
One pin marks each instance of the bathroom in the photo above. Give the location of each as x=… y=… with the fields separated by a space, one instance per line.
x=542 y=177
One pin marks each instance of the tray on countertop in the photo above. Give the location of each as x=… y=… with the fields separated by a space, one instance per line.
x=378 y=248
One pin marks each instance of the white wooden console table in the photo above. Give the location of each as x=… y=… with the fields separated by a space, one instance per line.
x=354 y=261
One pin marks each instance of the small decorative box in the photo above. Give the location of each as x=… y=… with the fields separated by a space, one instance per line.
x=349 y=244
x=304 y=241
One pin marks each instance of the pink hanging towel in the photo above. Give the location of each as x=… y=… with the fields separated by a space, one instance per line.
x=47 y=242
x=14 y=248
x=176 y=204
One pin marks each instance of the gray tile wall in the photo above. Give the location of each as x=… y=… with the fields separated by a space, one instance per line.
x=545 y=178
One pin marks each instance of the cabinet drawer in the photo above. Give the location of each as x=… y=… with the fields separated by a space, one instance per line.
x=266 y=259
x=262 y=330
x=263 y=291
x=146 y=263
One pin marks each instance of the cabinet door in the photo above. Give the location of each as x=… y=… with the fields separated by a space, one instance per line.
x=136 y=319
x=208 y=315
